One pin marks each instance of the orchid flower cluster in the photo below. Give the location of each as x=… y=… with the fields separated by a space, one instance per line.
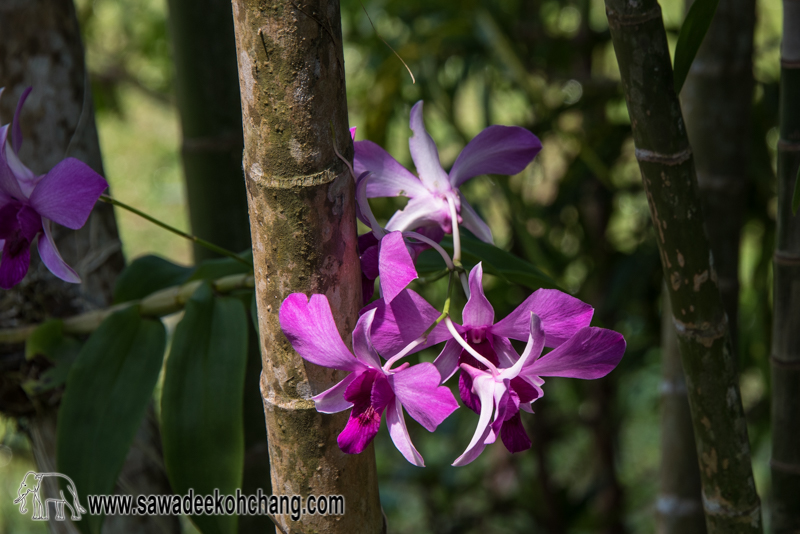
x=495 y=381
x=29 y=204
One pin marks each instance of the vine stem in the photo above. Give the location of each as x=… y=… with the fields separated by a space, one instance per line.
x=202 y=242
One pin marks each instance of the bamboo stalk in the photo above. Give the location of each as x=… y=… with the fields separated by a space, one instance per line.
x=785 y=358
x=665 y=159
x=719 y=81
x=302 y=213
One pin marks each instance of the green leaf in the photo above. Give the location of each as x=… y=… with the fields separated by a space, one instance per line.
x=201 y=403
x=45 y=340
x=693 y=31
x=107 y=394
x=219 y=267
x=48 y=341
x=147 y=275
x=796 y=197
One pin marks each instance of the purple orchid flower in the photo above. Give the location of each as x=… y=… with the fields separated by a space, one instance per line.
x=434 y=195
x=591 y=353
x=29 y=204
x=370 y=388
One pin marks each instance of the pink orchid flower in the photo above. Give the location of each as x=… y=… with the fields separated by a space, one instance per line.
x=370 y=388
x=434 y=196
x=29 y=204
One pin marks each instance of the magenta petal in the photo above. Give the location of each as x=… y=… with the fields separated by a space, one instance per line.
x=472 y=221
x=369 y=263
x=13 y=267
x=388 y=177
x=370 y=393
x=9 y=185
x=589 y=354
x=362 y=345
x=353 y=133
x=562 y=316
x=419 y=391
x=423 y=210
x=332 y=400
x=447 y=360
x=395 y=265
x=496 y=150
x=525 y=391
x=514 y=436
x=16 y=134
x=67 y=193
x=51 y=257
x=400 y=437
x=309 y=326
x=426 y=155
x=400 y=322
x=484 y=387
x=477 y=312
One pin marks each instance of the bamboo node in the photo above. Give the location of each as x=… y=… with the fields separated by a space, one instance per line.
x=674 y=505
x=784 y=467
x=617 y=19
x=650 y=156
x=272 y=399
x=786 y=258
x=705 y=333
x=721 y=507
x=788 y=146
x=790 y=365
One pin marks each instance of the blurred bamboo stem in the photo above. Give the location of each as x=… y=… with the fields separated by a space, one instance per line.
x=158 y=304
x=303 y=227
x=785 y=358
x=665 y=159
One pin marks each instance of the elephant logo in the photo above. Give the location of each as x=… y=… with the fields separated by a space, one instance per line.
x=31 y=484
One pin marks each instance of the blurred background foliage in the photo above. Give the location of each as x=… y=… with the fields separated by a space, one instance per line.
x=578 y=212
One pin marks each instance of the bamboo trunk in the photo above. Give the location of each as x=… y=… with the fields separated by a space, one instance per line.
x=729 y=496
x=41 y=47
x=720 y=80
x=302 y=213
x=785 y=463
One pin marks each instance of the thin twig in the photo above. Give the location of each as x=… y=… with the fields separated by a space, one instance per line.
x=413 y=80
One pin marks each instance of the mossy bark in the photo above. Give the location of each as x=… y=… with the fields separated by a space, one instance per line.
x=665 y=159
x=41 y=47
x=785 y=463
x=302 y=213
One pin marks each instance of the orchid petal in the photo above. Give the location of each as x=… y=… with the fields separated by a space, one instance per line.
x=369 y=262
x=589 y=354
x=562 y=316
x=423 y=210
x=397 y=429
x=9 y=185
x=309 y=327
x=483 y=385
x=477 y=312
x=51 y=257
x=68 y=192
x=506 y=354
x=532 y=349
x=389 y=178
x=504 y=408
x=525 y=390
x=447 y=360
x=419 y=391
x=362 y=345
x=353 y=133
x=472 y=221
x=395 y=265
x=16 y=134
x=513 y=434
x=13 y=268
x=332 y=400
x=496 y=150
x=425 y=154
x=402 y=321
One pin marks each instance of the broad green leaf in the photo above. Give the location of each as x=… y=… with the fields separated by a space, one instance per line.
x=48 y=341
x=108 y=390
x=495 y=260
x=201 y=403
x=693 y=31
x=147 y=275
x=219 y=267
x=796 y=197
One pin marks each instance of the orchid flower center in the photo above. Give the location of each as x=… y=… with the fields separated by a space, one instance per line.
x=477 y=335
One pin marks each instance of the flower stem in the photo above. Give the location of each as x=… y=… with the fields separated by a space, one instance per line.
x=202 y=242
x=436 y=246
x=456 y=234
